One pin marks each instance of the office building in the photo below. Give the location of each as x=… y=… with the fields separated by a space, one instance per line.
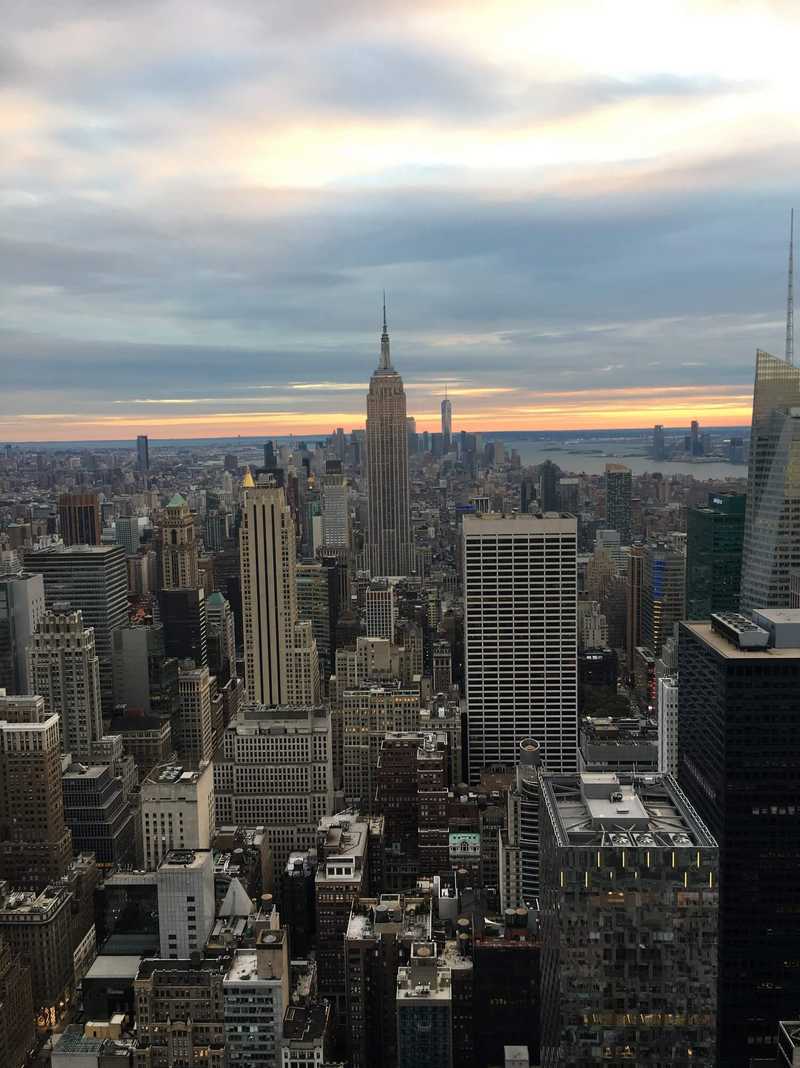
x=274 y=770
x=633 y=594
x=663 y=593
x=79 y=518
x=304 y=685
x=447 y=422
x=177 y=811
x=220 y=637
x=625 y=861
x=520 y=635
x=342 y=849
x=183 y=617
x=192 y=730
x=318 y=601
x=178 y=546
x=738 y=761
x=659 y=444
x=269 y=591
x=380 y=609
x=424 y=1010
x=64 y=668
x=367 y=714
x=569 y=495
x=17 y=1028
x=21 y=608
x=442 y=669
x=142 y=454
x=139 y=669
x=714 y=538
x=335 y=507
x=548 y=487
x=378 y=940
x=668 y=724
x=126 y=533
x=772 y=519
x=92 y=579
x=618 y=500
x=98 y=814
x=258 y=976
x=35 y=843
x=186 y=909
x=389 y=546
x=179 y=1008
x=38 y=928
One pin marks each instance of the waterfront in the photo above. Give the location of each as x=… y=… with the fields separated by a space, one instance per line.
x=573 y=461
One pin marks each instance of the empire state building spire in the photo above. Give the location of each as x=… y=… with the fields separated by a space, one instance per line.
x=386 y=359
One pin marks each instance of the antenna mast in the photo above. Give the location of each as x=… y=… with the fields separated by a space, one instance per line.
x=790 y=295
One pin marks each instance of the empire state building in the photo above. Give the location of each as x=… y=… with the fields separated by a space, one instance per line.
x=389 y=531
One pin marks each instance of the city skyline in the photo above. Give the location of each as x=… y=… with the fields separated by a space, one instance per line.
x=195 y=240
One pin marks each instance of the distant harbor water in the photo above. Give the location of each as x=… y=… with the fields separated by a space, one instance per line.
x=593 y=461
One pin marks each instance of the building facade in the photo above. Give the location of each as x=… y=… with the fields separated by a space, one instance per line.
x=629 y=923
x=714 y=538
x=520 y=603
x=771 y=545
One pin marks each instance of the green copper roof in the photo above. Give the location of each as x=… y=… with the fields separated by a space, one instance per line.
x=177 y=502
x=215 y=598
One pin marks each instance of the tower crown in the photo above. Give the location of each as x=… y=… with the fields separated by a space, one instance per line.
x=386 y=358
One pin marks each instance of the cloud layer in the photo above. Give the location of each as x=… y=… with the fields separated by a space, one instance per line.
x=578 y=211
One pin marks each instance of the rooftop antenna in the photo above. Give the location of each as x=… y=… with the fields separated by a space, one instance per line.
x=790 y=295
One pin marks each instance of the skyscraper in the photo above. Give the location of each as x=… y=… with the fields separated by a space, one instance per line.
x=126 y=533
x=35 y=844
x=269 y=591
x=618 y=500
x=629 y=923
x=63 y=667
x=178 y=547
x=142 y=455
x=772 y=517
x=714 y=537
x=21 y=608
x=520 y=636
x=548 y=486
x=390 y=550
x=659 y=446
x=79 y=518
x=739 y=763
x=663 y=592
x=447 y=422
x=94 y=579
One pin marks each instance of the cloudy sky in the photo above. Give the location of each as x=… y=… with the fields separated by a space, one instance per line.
x=579 y=211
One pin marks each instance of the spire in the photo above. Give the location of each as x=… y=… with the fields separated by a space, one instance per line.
x=247 y=481
x=790 y=295
x=386 y=359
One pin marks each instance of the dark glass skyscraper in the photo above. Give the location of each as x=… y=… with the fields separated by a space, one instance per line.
x=94 y=579
x=662 y=592
x=714 y=537
x=739 y=764
x=618 y=500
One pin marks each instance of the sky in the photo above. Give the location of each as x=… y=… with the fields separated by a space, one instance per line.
x=578 y=210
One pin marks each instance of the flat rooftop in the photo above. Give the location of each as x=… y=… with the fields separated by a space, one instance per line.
x=624 y=810
x=113 y=966
x=729 y=651
x=518 y=523
x=305 y=1024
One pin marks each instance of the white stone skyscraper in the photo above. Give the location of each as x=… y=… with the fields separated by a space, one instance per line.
x=390 y=550
x=280 y=653
x=64 y=669
x=520 y=636
x=268 y=552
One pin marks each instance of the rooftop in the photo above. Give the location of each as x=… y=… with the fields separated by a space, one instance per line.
x=729 y=651
x=483 y=523
x=305 y=1023
x=173 y=774
x=627 y=811
x=114 y=966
